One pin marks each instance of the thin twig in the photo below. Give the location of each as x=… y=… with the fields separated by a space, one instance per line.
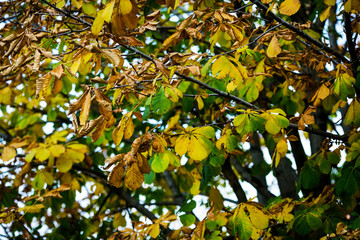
x=66 y=13
x=321 y=45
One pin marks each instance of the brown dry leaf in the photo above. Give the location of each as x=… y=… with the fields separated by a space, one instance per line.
x=58 y=84
x=105 y=108
x=58 y=72
x=143 y=163
x=98 y=132
x=18 y=142
x=79 y=103
x=89 y=126
x=200 y=229
x=114 y=55
x=116 y=175
x=162 y=68
x=112 y=160
x=85 y=109
x=172 y=40
x=307 y=118
x=56 y=192
x=133 y=177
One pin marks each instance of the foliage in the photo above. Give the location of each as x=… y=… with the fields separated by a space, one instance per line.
x=117 y=116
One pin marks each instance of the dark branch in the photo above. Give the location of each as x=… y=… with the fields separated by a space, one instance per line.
x=66 y=13
x=233 y=180
x=321 y=45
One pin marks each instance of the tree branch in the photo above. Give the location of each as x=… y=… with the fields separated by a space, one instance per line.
x=244 y=172
x=66 y=13
x=351 y=46
x=233 y=180
x=235 y=98
x=317 y=43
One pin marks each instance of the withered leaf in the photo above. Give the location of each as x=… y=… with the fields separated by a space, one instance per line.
x=85 y=109
x=143 y=163
x=79 y=103
x=116 y=175
x=98 y=132
x=89 y=126
x=112 y=160
x=133 y=177
x=56 y=87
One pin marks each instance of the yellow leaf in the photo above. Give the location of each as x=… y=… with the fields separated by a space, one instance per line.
x=32 y=209
x=56 y=150
x=154 y=230
x=258 y=218
x=282 y=147
x=329 y=2
x=125 y=7
x=129 y=128
x=198 y=148
x=75 y=66
x=133 y=177
x=98 y=23
x=64 y=162
x=118 y=132
x=274 y=47
x=76 y=156
x=8 y=153
x=221 y=67
x=108 y=11
x=200 y=102
x=82 y=148
x=271 y=126
x=347 y=6
x=42 y=154
x=289 y=7
x=325 y=14
x=195 y=189
x=60 y=4
x=181 y=144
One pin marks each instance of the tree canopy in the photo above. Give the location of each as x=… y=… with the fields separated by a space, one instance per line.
x=179 y=119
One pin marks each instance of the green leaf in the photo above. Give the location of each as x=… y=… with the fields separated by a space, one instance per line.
x=346 y=184
x=217 y=161
x=187 y=219
x=160 y=162
x=309 y=177
x=241 y=224
x=343 y=86
x=188 y=206
x=160 y=103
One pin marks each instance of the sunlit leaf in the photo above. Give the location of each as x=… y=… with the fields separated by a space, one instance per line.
x=289 y=7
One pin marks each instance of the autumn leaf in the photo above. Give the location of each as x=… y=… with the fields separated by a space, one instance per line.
x=125 y=7
x=116 y=175
x=8 y=153
x=133 y=177
x=274 y=48
x=289 y=7
x=32 y=209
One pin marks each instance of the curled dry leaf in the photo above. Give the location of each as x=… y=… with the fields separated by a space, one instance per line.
x=79 y=103
x=112 y=160
x=89 y=126
x=116 y=175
